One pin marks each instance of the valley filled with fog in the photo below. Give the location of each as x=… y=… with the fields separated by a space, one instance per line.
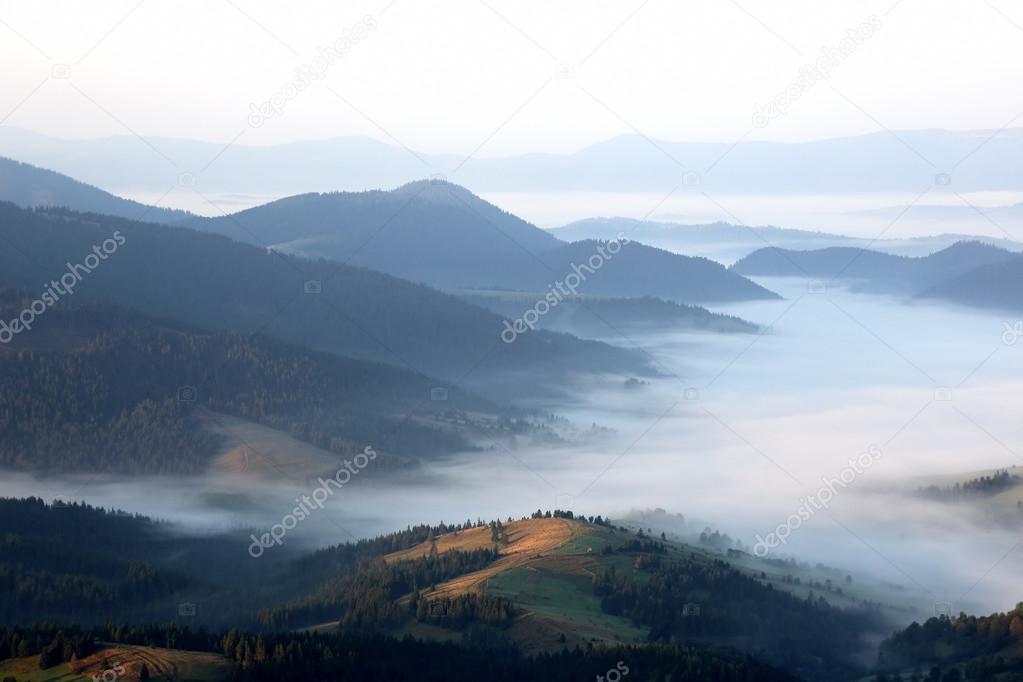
x=419 y=342
x=737 y=430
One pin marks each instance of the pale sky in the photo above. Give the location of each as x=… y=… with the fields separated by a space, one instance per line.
x=461 y=75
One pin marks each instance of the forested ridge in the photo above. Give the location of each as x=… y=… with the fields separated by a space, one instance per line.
x=367 y=598
x=687 y=599
x=981 y=645
x=974 y=488
x=216 y=283
x=46 y=574
x=76 y=563
x=101 y=388
x=138 y=571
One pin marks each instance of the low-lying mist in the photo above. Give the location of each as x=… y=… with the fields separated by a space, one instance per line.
x=738 y=434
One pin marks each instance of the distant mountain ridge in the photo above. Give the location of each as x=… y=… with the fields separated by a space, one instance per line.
x=872 y=269
x=441 y=234
x=428 y=231
x=216 y=283
x=873 y=162
x=728 y=243
x=31 y=187
x=998 y=285
x=971 y=273
x=610 y=318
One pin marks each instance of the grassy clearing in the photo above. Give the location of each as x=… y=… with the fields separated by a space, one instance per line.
x=564 y=599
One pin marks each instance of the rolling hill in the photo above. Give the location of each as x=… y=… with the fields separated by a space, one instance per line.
x=100 y=388
x=441 y=234
x=639 y=270
x=215 y=283
x=872 y=270
x=537 y=586
x=727 y=243
x=430 y=231
x=998 y=286
x=556 y=580
x=874 y=162
x=31 y=187
x=610 y=318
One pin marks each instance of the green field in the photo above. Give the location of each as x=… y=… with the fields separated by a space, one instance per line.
x=566 y=599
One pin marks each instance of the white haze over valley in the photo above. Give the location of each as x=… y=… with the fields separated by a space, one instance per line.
x=592 y=113
x=858 y=215
x=747 y=428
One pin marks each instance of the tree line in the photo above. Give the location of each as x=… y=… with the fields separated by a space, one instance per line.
x=348 y=657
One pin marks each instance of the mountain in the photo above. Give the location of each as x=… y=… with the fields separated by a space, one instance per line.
x=100 y=388
x=428 y=231
x=432 y=232
x=215 y=283
x=352 y=163
x=609 y=318
x=659 y=233
x=728 y=243
x=872 y=270
x=640 y=270
x=997 y=285
x=537 y=587
x=875 y=162
x=29 y=187
x=441 y=234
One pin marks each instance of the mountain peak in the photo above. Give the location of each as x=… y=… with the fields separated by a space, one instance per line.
x=438 y=190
